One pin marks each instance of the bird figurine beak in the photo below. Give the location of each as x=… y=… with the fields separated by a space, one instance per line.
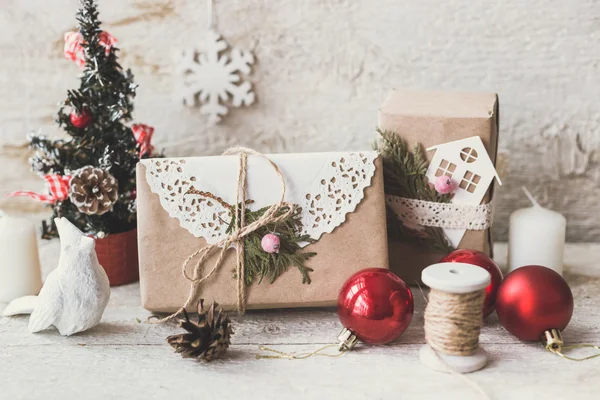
x=60 y=226
x=70 y=234
x=65 y=227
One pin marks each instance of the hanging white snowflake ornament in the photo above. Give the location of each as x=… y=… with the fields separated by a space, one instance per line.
x=213 y=77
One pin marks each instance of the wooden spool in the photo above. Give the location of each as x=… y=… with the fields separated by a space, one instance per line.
x=454 y=278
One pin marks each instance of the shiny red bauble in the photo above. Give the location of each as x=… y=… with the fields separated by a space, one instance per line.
x=375 y=305
x=534 y=299
x=80 y=120
x=482 y=260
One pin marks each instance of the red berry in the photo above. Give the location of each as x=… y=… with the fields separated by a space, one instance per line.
x=80 y=120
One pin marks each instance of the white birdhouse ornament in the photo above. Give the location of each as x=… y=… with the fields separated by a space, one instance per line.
x=467 y=163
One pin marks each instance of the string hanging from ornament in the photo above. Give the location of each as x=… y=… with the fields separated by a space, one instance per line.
x=536 y=303
x=375 y=307
x=213 y=77
x=281 y=355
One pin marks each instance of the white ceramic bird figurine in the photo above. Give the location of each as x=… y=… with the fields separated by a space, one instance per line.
x=75 y=294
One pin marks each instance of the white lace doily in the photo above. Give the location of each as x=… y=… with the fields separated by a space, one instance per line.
x=443 y=215
x=199 y=191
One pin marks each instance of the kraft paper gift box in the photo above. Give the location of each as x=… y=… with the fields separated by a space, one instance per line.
x=342 y=207
x=433 y=119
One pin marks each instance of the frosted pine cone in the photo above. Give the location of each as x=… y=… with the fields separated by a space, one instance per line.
x=93 y=190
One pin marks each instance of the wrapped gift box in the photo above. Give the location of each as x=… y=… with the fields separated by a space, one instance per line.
x=182 y=207
x=432 y=119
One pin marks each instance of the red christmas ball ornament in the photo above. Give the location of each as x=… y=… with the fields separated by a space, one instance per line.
x=482 y=260
x=80 y=120
x=532 y=300
x=375 y=307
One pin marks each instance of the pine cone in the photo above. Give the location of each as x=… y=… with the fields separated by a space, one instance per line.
x=206 y=339
x=93 y=190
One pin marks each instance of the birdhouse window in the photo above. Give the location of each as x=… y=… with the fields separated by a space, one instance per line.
x=468 y=154
x=445 y=168
x=469 y=182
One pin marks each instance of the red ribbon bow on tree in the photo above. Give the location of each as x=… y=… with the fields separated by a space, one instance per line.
x=75 y=51
x=58 y=186
x=143 y=135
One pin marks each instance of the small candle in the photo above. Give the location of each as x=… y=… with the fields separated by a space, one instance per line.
x=536 y=236
x=19 y=259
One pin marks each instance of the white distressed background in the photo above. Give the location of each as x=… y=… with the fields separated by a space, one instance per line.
x=324 y=66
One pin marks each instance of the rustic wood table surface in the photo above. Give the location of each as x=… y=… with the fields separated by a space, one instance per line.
x=125 y=357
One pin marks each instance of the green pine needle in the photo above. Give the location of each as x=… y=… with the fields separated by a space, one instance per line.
x=261 y=265
x=405 y=176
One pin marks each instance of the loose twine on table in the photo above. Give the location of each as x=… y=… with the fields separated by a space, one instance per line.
x=452 y=326
x=282 y=355
x=237 y=237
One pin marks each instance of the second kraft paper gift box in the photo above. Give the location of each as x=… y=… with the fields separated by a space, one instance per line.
x=435 y=134
x=187 y=204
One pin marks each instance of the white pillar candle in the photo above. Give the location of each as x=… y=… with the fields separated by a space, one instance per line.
x=536 y=236
x=19 y=259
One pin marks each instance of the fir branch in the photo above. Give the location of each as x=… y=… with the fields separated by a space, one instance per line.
x=405 y=172
x=260 y=264
x=405 y=176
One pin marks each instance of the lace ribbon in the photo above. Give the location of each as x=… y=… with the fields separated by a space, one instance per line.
x=443 y=215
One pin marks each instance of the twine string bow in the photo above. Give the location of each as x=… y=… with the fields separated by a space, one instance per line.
x=237 y=236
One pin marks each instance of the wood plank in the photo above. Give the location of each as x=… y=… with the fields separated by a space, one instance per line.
x=385 y=372
x=129 y=359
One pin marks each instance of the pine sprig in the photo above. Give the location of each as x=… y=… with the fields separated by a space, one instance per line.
x=405 y=172
x=258 y=263
x=405 y=176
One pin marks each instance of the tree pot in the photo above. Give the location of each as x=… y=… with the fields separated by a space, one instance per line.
x=118 y=255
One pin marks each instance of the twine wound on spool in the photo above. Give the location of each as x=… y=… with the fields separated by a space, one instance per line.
x=453 y=321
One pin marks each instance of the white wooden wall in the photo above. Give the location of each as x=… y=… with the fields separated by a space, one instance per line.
x=324 y=66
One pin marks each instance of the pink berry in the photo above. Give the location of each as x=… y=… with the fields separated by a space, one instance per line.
x=444 y=184
x=270 y=243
